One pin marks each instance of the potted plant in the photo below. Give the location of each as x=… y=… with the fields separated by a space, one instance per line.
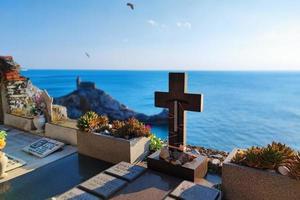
x=37 y=111
x=271 y=172
x=3 y=157
x=112 y=142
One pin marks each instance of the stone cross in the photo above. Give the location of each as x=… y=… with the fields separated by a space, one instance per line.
x=178 y=101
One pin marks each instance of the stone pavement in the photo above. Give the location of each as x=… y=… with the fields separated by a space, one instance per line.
x=125 y=181
x=17 y=140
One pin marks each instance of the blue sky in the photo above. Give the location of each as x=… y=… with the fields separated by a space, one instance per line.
x=158 y=34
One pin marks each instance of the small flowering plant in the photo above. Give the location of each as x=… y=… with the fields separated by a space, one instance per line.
x=3 y=135
x=39 y=106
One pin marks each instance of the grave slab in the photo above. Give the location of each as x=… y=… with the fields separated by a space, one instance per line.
x=126 y=171
x=150 y=185
x=13 y=163
x=76 y=194
x=190 y=191
x=103 y=185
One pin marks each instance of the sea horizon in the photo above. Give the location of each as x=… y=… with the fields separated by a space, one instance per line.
x=258 y=107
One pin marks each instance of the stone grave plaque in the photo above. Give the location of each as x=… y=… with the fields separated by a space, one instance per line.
x=13 y=163
x=126 y=171
x=190 y=191
x=76 y=194
x=169 y=198
x=43 y=147
x=103 y=185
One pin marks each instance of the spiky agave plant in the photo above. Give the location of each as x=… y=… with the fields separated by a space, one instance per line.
x=270 y=157
x=295 y=167
x=287 y=153
x=249 y=157
x=88 y=121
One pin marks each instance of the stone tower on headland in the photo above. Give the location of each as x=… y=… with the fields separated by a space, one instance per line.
x=84 y=85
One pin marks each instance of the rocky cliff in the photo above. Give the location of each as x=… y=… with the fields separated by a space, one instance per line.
x=92 y=99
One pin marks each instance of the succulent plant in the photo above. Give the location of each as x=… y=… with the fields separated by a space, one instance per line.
x=270 y=157
x=88 y=121
x=130 y=129
x=295 y=167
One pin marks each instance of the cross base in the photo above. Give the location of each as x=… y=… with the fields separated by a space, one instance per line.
x=191 y=171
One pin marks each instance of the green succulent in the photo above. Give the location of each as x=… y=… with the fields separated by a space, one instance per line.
x=295 y=167
x=87 y=121
x=270 y=157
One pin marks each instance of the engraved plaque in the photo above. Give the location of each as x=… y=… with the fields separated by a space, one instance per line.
x=188 y=190
x=76 y=194
x=126 y=171
x=103 y=185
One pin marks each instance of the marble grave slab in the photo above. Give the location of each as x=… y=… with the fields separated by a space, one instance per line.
x=126 y=171
x=76 y=194
x=190 y=191
x=103 y=185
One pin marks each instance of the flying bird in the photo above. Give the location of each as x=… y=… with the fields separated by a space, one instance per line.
x=87 y=55
x=130 y=5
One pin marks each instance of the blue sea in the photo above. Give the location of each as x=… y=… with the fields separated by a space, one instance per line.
x=241 y=109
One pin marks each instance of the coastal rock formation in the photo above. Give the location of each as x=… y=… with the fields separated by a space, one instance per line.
x=86 y=98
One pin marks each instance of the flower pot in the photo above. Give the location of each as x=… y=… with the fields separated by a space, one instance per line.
x=112 y=149
x=39 y=122
x=241 y=182
x=3 y=164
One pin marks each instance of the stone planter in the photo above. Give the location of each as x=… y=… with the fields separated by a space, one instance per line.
x=23 y=123
x=112 y=149
x=62 y=133
x=241 y=182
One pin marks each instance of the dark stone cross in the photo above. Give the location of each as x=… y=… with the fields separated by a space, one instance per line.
x=178 y=101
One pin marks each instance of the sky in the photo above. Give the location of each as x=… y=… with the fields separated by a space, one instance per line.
x=157 y=34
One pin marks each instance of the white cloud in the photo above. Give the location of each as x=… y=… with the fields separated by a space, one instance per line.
x=152 y=22
x=187 y=25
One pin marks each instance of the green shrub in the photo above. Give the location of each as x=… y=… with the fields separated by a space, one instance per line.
x=155 y=143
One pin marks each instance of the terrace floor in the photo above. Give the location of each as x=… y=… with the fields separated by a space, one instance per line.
x=56 y=177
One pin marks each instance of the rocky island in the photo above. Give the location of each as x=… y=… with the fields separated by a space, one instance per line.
x=87 y=97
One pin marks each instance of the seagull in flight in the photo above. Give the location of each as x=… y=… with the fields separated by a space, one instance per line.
x=87 y=55
x=130 y=5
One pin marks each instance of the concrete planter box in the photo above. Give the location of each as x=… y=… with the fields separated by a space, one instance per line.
x=241 y=182
x=62 y=133
x=112 y=149
x=23 y=123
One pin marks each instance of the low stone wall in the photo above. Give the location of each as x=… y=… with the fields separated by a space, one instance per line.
x=23 y=123
x=62 y=133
